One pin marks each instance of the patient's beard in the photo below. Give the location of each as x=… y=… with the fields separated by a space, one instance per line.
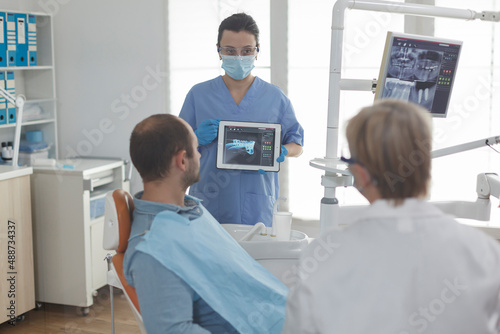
x=192 y=175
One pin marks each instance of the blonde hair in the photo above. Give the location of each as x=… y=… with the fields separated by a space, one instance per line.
x=392 y=140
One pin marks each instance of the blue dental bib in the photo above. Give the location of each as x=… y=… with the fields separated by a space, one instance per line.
x=209 y=260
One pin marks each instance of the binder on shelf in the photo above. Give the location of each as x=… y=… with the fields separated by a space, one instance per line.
x=3 y=113
x=3 y=101
x=10 y=86
x=22 y=40
x=11 y=39
x=3 y=40
x=32 y=47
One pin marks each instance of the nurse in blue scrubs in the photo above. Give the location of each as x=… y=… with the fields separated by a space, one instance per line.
x=238 y=197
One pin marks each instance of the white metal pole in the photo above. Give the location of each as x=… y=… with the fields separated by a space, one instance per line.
x=465 y=147
x=329 y=203
x=413 y=9
x=17 y=134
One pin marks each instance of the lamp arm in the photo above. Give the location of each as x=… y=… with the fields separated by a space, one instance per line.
x=18 y=102
x=17 y=134
x=8 y=96
x=465 y=147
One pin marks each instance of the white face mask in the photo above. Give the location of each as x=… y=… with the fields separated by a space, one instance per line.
x=238 y=67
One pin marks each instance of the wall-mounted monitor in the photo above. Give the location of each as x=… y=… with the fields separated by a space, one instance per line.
x=419 y=69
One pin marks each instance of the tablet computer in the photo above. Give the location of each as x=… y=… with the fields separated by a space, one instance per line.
x=249 y=146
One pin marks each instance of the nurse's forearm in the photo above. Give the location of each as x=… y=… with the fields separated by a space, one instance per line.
x=294 y=150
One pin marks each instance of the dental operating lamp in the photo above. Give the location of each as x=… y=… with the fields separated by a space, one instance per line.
x=18 y=102
x=336 y=173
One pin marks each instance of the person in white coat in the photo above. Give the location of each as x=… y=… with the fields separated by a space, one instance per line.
x=402 y=266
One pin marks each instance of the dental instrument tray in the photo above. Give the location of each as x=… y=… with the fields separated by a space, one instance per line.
x=249 y=146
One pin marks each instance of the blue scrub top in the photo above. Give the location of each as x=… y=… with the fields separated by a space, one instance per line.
x=238 y=197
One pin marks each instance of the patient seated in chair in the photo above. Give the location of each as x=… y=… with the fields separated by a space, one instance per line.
x=190 y=275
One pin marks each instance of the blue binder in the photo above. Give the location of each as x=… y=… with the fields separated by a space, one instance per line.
x=32 y=47
x=22 y=40
x=10 y=86
x=3 y=40
x=11 y=39
x=3 y=101
x=3 y=113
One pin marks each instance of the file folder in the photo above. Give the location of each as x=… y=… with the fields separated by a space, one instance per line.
x=3 y=113
x=32 y=47
x=3 y=101
x=11 y=39
x=22 y=40
x=10 y=86
x=3 y=40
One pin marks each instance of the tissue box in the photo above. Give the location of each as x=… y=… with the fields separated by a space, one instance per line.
x=28 y=159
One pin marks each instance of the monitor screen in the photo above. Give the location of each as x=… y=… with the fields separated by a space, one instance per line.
x=250 y=146
x=419 y=69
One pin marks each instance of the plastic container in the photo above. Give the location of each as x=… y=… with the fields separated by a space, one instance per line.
x=28 y=159
x=34 y=136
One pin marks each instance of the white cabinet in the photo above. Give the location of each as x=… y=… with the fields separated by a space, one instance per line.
x=37 y=84
x=68 y=208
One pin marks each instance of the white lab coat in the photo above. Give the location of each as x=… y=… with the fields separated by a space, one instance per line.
x=408 y=269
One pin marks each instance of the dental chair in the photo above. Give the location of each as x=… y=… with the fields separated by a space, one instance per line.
x=118 y=218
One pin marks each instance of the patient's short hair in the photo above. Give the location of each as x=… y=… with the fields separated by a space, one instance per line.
x=155 y=141
x=392 y=140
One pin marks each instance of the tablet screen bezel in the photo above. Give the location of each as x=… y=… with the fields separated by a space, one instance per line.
x=276 y=147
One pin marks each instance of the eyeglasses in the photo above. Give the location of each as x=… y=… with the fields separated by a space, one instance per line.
x=349 y=161
x=244 y=51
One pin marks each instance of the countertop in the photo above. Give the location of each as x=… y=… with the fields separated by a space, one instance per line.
x=79 y=166
x=9 y=172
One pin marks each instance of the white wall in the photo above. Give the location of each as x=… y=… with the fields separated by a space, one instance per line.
x=106 y=55
x=110 y=59
x=26 y=5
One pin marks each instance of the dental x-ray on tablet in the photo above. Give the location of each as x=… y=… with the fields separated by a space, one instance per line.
x=419 y=69
x=249 y=146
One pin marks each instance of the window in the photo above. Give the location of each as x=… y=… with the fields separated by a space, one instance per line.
x=474 y=108
x=471 y=115
x=310 y=39
x=193 y=28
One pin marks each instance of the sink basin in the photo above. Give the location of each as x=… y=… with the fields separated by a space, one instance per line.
x=276 y=256
x=265 y=246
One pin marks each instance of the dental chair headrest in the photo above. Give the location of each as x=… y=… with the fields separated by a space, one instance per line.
x=119 y=207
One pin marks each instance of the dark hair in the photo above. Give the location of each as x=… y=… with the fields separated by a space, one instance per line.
x=154 y=142
x=237 y=23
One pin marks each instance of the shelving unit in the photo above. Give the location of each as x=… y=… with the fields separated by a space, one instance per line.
x=37 y=84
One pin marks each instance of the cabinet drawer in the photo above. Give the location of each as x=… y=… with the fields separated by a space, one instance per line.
x=98 y=180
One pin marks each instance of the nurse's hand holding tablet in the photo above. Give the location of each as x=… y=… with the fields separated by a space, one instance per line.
x=207 y=131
